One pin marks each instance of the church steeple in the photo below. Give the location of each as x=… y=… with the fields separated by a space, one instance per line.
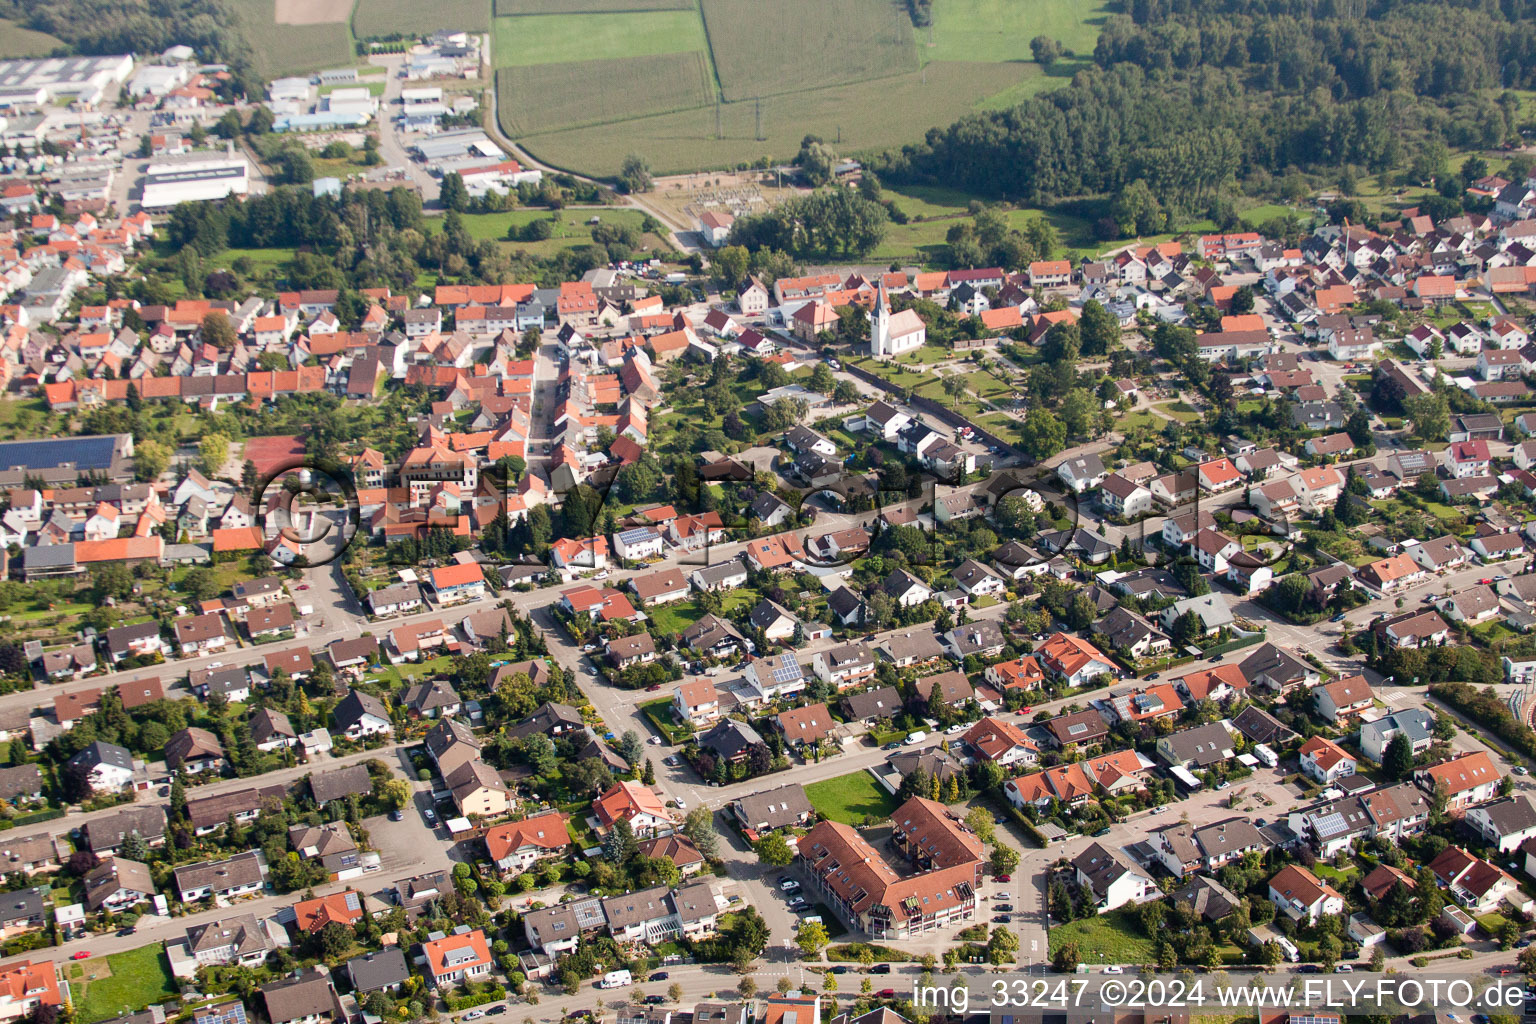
x=880 y=323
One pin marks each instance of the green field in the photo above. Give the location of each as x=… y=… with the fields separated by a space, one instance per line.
x=853 y=72
x=1000 y=30
x=559 y=38
x=19 y=41
x=292 y=49
x=848 y=798
x=866 y=115
x=762 y=49
x=571 y=227
x=406 y=17
x=506 y=8
x=1112 y=938
x=131 y=981
x=541 y=97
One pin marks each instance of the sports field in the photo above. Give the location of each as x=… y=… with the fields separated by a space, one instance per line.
x=292 y=49
x=540 y=97
x=412 y=17
x=766 y=74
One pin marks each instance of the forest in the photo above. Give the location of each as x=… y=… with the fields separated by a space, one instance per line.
x=1185 y=98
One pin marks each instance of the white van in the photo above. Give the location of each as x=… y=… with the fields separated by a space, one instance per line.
x=1266 y=755
x=915 y=738
x=615 y=979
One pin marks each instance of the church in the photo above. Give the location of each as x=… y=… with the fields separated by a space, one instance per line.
x=891 y=334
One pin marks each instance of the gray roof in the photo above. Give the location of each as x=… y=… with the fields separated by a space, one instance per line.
x=883 y=700
x=244 y=933
x=1511 y=815
x=729 y=738
x=1414 y=723
x=308 y=995
x=355 y=705
x=340 y=782
x=1204 y=744
x=110 y=831
x=378 y=970
x=238 y=871
x=22 y=906
x=776 y=808
x=636 y=907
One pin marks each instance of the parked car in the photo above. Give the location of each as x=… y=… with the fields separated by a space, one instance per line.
x=1004 y=908
x=397 y=815
x=1001 y=919
x=880 y=969
x=473 y=1015
x=82 y=955
x=659 y=976
x=430 y=815
x=1005 y=878
x=840 y=969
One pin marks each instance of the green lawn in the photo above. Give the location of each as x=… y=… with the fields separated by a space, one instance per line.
x=1112 y=938
x=1000 y=30
x=679 y=615
x=1180 y=411
x=556 y=38
x=848 y=798
x=663 y=716
x=132 y=980
x=571 y=227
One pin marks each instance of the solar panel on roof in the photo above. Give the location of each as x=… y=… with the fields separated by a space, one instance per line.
x=87 y=453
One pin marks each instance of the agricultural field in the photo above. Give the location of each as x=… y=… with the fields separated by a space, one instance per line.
x=374 y=18
x=864 y=115
x=556 y=39
x=853 y=72
x=507 y=8
x=283 y=49
x=762 y=49
x=540 y=97
x=19 y=41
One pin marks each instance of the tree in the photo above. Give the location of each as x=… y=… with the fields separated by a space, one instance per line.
x=1066 y=958
x=134 y=847
x=675 y=992
x=1042 y=435
x=1045 y=50
x=1002 y=947
x=620 y=844
x=218 y=330
x=699 y=827
x=1004 y=859
x=634 y=174
x=150 y=459
x=212 y=453
x=774 y=851
x=1430 y=414
x=1397 y=759
x=746 y=988
x=1098 y=329
x=811 y=937
x=979 y=820
x=632 y=747
x=394 y=793
x=453 y=194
